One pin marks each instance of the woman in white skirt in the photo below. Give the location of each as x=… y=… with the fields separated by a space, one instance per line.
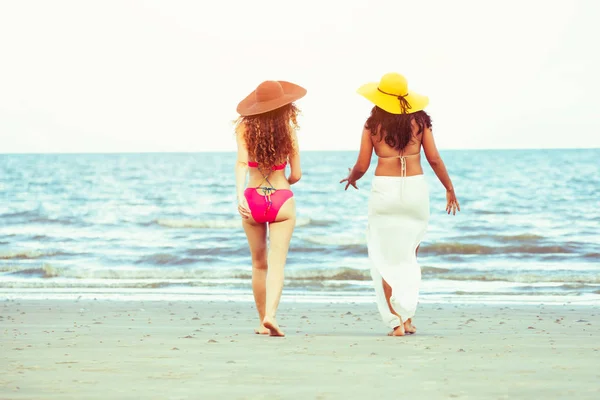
x=397 y=129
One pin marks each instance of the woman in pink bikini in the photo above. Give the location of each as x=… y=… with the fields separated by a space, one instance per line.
x=267 y=142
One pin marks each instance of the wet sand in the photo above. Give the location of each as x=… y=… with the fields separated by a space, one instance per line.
x=60 y=349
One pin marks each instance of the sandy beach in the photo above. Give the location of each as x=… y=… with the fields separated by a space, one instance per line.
x=61 y=349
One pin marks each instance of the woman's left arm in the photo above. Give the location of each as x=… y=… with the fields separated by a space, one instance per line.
x=295 y=170
x=241 y=170
x=363 y=161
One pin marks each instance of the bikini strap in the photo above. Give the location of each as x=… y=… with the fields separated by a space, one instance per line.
x=402 y=159
x=267 y=191
x=403 y=165
x=266 y=179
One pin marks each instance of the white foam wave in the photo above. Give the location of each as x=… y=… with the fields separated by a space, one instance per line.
x=49 y=273
x=25 y=254
x=338 y=240
x=200 y=224
x=212 y=224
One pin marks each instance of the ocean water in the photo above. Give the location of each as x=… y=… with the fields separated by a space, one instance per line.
x=166 y=226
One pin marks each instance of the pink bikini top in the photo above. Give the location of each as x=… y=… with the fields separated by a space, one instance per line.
x=254 y=164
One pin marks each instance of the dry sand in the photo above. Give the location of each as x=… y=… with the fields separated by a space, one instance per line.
x=59 y=349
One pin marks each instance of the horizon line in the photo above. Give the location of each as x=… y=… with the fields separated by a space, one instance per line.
x=304 y=151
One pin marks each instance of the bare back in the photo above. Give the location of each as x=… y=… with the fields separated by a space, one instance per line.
x=277 y=178
x=389 y=161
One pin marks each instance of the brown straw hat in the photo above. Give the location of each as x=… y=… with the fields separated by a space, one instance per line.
x=269 y=96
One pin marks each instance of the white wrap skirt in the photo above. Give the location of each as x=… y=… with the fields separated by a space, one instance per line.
x=398 y=219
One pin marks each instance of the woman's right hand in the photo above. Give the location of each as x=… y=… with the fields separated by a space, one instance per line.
x=349 y=180
x=243 y=208
x=451 y=202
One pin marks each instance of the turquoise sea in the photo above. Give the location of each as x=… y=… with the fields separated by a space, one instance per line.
x=165 y=226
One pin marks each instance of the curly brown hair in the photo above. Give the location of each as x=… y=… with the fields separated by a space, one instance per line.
x=396 y=129
x=269 y=136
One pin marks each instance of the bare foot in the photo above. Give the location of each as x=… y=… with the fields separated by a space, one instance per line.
x=272 y=326
x=409 y=327
x=262 y=330
x=398 y=331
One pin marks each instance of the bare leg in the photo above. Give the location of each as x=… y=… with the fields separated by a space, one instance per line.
x=280 y=235
x=408 y=326
x=387 y=290
x=257 y=241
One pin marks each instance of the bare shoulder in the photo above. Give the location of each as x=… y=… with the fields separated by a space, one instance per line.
x=295 y=145
x=427 y=131
x=240 y=133
x=416 y=127
x=240 y=128
x=366 y=133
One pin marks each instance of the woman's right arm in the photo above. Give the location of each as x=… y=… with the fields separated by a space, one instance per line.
x=362 y=162
x=294 y=158
x=437 y=164
x=241 y=170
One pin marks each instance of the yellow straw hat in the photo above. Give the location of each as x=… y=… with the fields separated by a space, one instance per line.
x=392 y=95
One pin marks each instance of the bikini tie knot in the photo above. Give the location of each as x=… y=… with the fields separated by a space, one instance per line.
x=267 y=192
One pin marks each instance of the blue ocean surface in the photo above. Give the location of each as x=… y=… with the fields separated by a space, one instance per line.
x=163 y=225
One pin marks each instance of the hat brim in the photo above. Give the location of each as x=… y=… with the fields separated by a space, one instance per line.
x=391 y=104
x=291 y=92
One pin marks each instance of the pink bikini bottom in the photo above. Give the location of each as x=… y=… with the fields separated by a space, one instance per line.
x=265 y=208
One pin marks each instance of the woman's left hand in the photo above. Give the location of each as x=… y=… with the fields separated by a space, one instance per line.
x=350 y=182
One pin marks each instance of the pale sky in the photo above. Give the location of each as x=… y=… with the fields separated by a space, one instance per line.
x=137 y=76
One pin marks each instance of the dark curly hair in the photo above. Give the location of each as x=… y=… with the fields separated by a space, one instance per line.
x=396 y=129
x=269 y=135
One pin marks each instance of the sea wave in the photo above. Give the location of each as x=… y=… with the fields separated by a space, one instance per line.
x=57 y=221
x=322 y=222
x=339 y=274
x=212 y=224
x=358 y=244
x=166 y=259
x=548 y=290
x=331 y=274
x=194 y=256
x=43 y=271
x=526 y=276
x=50 y=271
x=77 y=284
x=523 y=237
x=29 y=254
x=347 y=250
x=337 y=240
x=490 y=212
x=592 y=256
x=36 y=217
x=199 y=224
x=472 y=249
x=141 y=273
x=20 y=214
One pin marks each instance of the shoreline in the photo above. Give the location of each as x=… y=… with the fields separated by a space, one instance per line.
x=55 y=349
x=300 y=297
